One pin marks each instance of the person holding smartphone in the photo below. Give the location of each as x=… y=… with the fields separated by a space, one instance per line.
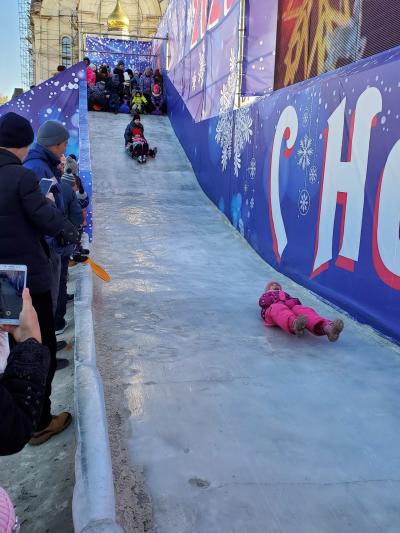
x=26 y=218
x=23 y=384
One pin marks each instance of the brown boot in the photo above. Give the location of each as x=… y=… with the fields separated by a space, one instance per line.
x=299 y=325
x=333 y=329
x=57 y=425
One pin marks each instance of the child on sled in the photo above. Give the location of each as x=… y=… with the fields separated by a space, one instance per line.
x=135 y=142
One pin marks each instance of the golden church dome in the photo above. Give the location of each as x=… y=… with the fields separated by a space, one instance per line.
x=118 y=20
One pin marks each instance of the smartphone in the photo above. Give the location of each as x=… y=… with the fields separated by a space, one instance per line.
x=12 y=283
x=45 y=185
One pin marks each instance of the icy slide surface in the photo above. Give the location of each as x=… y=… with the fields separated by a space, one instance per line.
x=237 y=428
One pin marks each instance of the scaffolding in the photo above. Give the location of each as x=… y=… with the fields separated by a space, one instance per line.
x=26 y=43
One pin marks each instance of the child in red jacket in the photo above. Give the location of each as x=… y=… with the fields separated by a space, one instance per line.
x=280 y=309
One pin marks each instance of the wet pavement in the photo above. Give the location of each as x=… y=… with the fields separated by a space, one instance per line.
x=218 y=424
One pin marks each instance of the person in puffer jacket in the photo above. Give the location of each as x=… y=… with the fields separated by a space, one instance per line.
x=145 y=84
x=280 y=309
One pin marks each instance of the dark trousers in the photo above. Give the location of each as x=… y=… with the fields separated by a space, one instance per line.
x=43 y=305
x=62 y=293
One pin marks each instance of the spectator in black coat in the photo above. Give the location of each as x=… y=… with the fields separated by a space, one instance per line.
x=25 y=217
x=23 y=384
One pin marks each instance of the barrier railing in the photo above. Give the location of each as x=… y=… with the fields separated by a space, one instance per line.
x=93 y=505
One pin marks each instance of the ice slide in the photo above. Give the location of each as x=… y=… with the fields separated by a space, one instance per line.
x=218 y=424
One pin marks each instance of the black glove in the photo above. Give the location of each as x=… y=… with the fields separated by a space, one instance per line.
x=68 y=235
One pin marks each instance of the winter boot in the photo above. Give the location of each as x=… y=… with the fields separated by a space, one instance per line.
x=299 y=325
x=334 y=329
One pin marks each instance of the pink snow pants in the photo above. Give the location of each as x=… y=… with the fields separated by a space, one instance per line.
x=280 y=315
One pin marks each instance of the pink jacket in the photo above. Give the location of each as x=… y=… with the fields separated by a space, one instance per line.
x=273 y=297
x=91 y=77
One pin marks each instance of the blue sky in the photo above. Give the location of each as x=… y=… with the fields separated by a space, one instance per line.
x=9 y=48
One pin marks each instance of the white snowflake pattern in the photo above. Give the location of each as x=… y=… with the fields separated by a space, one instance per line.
x=252 y=203
x=194 y=81
x=246 y=187
x=304 y=202
x=224 y=131
x=305 y=152
x=243 y=132
x=190 y=18
x=313 y=174
x=252 y=168
x=306 y=117
x=202 y=65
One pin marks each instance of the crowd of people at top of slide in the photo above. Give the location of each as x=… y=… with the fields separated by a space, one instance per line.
x=40 y=229
x=124 y=91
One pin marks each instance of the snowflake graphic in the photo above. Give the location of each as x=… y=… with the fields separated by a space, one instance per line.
x=194 y=81
x=252 y=168
x=202 y=65
x=313 y=174
x=245 y=186
x=224 y=131
x=304 y=202
x=190 y=18
x=243 y=132
x=252 y=203
x=305 y=152
x=306 y=117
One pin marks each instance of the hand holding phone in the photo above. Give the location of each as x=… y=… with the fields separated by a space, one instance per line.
x=28 y=322
x=45 y=185
x=12 y=284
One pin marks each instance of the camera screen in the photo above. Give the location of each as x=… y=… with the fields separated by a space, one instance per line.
x=12 y=284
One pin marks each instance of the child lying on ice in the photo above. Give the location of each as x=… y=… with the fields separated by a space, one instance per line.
x=280 y=309
x=135 y=142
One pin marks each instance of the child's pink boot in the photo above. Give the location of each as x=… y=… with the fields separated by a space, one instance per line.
x=299 y=325
x=333 y=329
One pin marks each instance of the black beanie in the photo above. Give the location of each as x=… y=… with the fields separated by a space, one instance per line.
x=15 y=131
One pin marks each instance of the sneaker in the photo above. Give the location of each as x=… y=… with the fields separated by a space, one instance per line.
x=155 y=150
x=57 y=425
x=299 y=325
x=61 y=363
x=61 y=345
x=70 y=297
x=62 y=327
x=84 y=251
x=334 y=329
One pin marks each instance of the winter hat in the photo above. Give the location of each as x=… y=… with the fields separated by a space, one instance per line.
x=71 y=165
x=120 y=62
x=7 y=513
x=156 y=90
x=86 y=60
x=51 y=133
x=68 y=177
x=15 y=131
x=273 y=283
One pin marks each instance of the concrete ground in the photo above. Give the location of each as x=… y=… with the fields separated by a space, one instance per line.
x=40 y=479
x=218 y=424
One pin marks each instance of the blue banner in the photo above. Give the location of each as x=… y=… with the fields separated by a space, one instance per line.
x=137 y=55
x=61 y=98
x=310 y=177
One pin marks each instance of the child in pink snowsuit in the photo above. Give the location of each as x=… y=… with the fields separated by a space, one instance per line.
x=278 y=308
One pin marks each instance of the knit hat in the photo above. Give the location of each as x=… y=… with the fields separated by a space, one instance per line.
x=71 y=165
x=268 y=287
x=120 y=62
x=15 y=131
x=51 y=133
